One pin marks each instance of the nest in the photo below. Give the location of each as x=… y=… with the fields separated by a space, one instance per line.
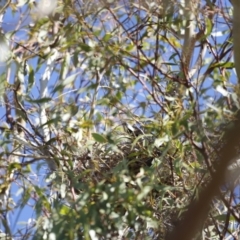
x=132 y=150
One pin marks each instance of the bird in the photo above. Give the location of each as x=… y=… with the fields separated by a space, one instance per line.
x=132 y=130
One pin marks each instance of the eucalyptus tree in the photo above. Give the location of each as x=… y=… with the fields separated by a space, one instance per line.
x=113 y=117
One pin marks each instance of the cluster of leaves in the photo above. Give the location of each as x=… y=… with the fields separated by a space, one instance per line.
x=104 y=130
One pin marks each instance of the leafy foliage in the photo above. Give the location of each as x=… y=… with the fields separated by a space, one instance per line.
x=110 y=125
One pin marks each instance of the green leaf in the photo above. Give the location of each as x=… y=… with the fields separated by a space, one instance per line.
x=85 y=47
x=64 y=210
x=75 y=59
x=70 y=79
x=107 y=37
x=103 y=101
x=99 y=138
x=229 y=65
x=39 y=101
x=209 y=27
x=30 y=78
x=13 y=166
x=58 y=88
x=160 y=141
x=170 y=63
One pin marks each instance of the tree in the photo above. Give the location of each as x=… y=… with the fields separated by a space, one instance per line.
x=119 y=111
